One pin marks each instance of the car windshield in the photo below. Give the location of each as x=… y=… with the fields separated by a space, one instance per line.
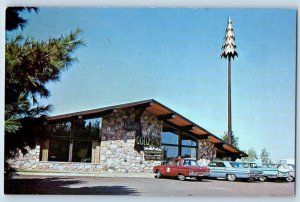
x=190 y=162
x=246 y=165
x=284 y=166
x=236 y=165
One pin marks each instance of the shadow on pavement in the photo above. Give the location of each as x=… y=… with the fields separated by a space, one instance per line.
x=55 y=185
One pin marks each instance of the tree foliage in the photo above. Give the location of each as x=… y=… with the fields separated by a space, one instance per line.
x=235 y=139
x=265 y=156
x=29 y=65
x=252 y=155
x=13 y=18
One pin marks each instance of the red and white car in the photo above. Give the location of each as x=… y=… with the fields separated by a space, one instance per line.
x=181 y=168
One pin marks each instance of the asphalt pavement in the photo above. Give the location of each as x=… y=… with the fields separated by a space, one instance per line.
x=139 y=186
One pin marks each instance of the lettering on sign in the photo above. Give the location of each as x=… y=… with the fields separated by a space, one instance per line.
x=153 y=155
x=132 y=125
x=146 y=141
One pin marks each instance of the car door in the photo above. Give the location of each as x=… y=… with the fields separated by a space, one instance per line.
x=217 y=169
x=177 y=168
x=168 y=168
x=221 y=169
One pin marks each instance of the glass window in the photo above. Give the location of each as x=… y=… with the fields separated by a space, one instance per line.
x=59 y=129
x=88 y=127
x=169 y=138
x=170 y=152
x=220 y=164
x=169 y=135
x=58 y=150
x=190 y=163
x=81 y=132
x=188 y=152
x=82 y=151
x=212 y=164
x=187 y=140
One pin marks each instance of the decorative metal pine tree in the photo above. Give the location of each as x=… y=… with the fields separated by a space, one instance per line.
x=228 y=52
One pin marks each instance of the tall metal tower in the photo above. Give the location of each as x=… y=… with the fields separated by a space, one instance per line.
x=228 y=52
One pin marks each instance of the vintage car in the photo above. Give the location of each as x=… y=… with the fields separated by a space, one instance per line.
x=232 y=170
x=278 y=171
x=256 y=168
x=181 y=168
x=291 y=172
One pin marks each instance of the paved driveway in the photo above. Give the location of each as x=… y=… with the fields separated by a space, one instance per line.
x=143 y=187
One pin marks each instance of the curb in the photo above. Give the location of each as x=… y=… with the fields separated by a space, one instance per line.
x=102 y=174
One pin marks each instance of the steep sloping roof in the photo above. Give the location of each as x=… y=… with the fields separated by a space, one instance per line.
x=163 y=113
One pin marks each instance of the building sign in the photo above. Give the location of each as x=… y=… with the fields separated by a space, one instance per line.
x=147 y=141
x=153 y=155
x=150 y=144
x=128 y=125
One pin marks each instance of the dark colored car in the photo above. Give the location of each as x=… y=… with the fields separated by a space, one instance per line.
x=181 y=168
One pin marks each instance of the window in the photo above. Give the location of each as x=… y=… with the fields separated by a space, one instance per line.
x=190 y=163
x=60 y=129
x=76 y=136
x=170 y=152
x=189 y=146
x=188 y=142
x=82 y=151
x=87 y=128
x=170 y=143
x=176 y=143
x=220 y=164
x=59 y=141
x=58 y=150
x=188 y=152
x=212 y=164
x=170 y=136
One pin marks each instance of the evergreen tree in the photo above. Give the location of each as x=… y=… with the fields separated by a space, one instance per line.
x=265 y=156
x=252 y=155
x=234 y=140
x=13 y=18
x=29 y=65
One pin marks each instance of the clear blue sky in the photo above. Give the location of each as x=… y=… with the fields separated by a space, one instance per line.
x=172 y=56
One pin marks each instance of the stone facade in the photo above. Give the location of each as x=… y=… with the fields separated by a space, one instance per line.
x=206 y=150
x=117 y=153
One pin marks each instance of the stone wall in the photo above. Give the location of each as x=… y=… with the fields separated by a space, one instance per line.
x=27 y=161
x=117 y=153
x=206 y=150
x=30 y=162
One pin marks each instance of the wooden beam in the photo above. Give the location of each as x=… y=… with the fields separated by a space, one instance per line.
x=190 y=127
x=166 y=117
x=201 y=137
x=220 y=146
x=143 y=106
x=182 y=129
x=108 y=112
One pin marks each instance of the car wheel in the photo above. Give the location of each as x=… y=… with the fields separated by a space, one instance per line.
x=181 y=177
x=289 y=179
x=231 y=177
x=158 y=174
x=262 y=179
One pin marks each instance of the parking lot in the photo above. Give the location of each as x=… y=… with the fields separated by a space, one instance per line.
x=144 y=186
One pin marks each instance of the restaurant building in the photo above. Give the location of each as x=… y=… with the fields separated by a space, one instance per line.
x=127 y=138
